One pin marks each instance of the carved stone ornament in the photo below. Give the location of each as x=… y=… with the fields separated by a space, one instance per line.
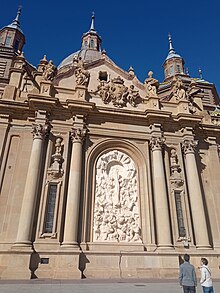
x=49 y=71
x=55 y=170
x=117 y=93
x=189 y=146
x=40 y=131
x=191 y=92
x=116 y=207
x=78 y=134
x=82 y=76
x=175 y=171
x=156 y=142
x=151 y=84
x=178 y=90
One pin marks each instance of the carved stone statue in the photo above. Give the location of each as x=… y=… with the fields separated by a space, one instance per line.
x=191 y=92
x=178 y=90
x=116 y=208
x=49 y=71
x=82 y=75
x=151 y=84
x=55 y=170
x=117 y=93
x=103 y=91
x=133 y=96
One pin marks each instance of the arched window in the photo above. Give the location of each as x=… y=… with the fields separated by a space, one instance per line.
x=92 y=44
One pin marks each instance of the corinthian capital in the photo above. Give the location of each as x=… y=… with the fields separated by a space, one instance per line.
x=189 y=146
x=40 y=131
x=78 y=134
x=156 y=142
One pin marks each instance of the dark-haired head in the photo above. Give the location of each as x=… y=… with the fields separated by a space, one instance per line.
x=186 y=257
x=204 y=261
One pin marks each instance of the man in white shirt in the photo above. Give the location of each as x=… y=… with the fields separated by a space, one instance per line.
x=206 y=280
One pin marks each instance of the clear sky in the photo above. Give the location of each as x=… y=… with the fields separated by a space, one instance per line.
x=133 y=32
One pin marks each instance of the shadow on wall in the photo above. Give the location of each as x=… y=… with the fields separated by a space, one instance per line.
x=34 y=263
x=83 y=260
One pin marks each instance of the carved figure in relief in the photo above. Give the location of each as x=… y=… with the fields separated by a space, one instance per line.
x=103 y=90
x=116 y=210
x=116 y=92
x=82 y=75
x=178 y=90
x=49 y=71
x=151 y=84
x=133 y=96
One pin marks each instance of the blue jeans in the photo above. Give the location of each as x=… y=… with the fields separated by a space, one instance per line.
x=207 y=289
x=189 y=289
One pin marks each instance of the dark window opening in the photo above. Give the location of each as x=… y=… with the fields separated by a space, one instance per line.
x=16 y=45
x=103 y=75
x=179 y=212
x=50 y=209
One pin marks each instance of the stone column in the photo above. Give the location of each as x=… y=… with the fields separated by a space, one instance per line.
x=31 y=187
x=195 y=195
x=160 y=194
x=73 y=195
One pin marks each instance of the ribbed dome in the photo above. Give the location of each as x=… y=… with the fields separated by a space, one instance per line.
x=87 y=55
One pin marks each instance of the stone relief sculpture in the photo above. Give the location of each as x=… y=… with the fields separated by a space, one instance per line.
x=175 y=177
x=116 y=207
x=151 y=84
x=81 y=74
x=55 y=170
x=116 y=92
x=49 y=71
x=178 y=90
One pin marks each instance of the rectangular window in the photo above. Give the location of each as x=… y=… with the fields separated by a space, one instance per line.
x=8 y=41
x=179 y=213
x=171 y=70
x=178 y=68
x=16 y=45
x=50 y=209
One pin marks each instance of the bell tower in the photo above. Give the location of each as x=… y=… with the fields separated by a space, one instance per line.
x=91 y=39
x=174 y=63
x=12 y=41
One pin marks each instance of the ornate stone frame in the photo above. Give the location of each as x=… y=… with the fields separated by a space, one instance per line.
x=147 y=218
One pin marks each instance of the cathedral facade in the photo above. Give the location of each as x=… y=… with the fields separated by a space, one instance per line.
x=101 y=175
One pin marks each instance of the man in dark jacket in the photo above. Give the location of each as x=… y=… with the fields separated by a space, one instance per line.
x=187 y=276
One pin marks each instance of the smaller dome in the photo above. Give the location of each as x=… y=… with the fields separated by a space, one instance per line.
x=87 y=55
x=172 y=55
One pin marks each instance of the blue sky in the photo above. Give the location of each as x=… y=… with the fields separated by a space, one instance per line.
x=133 y=32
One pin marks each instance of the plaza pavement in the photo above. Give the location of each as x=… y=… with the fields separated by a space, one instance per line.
x=95 y=286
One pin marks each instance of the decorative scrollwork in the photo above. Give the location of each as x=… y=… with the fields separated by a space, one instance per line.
x=189 y=146
x=156 y=142
x=40 y=131
x=117 y=93
x=78 y=134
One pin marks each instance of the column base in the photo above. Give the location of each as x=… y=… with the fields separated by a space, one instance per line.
x=23 y=244
x=203 y=247
x=165 y=246
x=70 y=245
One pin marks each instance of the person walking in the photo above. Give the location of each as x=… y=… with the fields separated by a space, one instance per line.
x=187 y=276
x=206 y=279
